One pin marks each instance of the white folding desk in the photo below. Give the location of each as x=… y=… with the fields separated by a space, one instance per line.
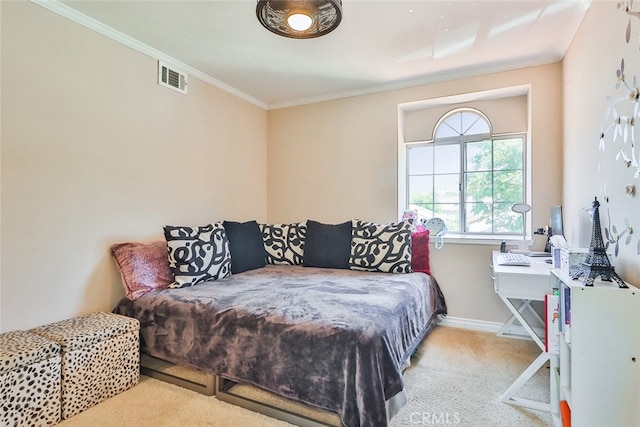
x=517 y=287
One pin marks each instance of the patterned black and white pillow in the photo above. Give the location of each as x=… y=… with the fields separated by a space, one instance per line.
x=284 y=243
x=381 y=247
x=197 y=254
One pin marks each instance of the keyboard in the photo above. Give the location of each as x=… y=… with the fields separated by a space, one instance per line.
x=513 y=259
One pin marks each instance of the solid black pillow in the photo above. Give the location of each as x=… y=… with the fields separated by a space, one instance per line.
x=245 y=245
x=327 y=245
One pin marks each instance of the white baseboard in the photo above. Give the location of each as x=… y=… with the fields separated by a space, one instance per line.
x=513 y=331
x=473 y=324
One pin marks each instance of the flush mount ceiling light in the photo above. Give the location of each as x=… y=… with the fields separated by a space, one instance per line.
x=300 y=19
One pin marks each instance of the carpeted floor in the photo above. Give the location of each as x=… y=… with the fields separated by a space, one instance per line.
x=456 y=378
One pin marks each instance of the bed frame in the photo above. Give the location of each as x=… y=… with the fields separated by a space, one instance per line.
x=213 y=385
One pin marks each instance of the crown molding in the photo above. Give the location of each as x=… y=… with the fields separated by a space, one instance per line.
x=92 y=24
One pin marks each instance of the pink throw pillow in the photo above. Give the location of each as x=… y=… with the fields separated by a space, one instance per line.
x=420 y=251
x=143 y=267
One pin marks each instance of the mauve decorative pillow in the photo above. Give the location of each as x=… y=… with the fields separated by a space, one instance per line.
x=143 y=267
x=420 y=251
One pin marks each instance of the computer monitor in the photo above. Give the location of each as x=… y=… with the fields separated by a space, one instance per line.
x=555 y=221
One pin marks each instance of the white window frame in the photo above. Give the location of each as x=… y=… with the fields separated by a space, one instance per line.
x=454 y=101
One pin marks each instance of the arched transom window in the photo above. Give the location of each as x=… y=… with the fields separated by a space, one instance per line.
x=463 y=122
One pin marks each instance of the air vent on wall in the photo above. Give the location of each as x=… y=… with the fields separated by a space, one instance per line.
x=171 y=78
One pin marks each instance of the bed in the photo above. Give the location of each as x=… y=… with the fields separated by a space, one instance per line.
x=333 y=339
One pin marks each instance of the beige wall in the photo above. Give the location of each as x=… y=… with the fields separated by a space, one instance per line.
x=506 y=115
x=589 y=78
x=94 y=152
x=337 y=160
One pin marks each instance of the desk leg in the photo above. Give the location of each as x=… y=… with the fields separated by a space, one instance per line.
x=517 y=315
x=507 y=329
x=507 y=397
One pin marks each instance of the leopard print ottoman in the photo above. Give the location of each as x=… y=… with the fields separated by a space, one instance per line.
x=29 y=380
x=100 y=358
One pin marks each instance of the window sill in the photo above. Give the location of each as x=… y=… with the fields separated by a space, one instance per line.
x=470 y=239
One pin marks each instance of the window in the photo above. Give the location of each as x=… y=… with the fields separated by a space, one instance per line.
x=467 y=176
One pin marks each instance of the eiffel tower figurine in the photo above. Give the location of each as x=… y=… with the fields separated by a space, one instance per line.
x=597 y=263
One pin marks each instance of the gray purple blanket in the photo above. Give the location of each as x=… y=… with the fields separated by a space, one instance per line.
x=333 y=339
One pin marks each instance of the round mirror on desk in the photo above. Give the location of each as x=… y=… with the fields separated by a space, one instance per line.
x=521 y=208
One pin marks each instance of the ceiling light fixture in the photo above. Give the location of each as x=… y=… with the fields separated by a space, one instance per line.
x=300 y=19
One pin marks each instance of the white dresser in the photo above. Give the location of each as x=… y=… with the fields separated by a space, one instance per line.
x=599 y=371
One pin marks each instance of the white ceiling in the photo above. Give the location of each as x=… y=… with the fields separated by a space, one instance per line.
x=379 y=45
